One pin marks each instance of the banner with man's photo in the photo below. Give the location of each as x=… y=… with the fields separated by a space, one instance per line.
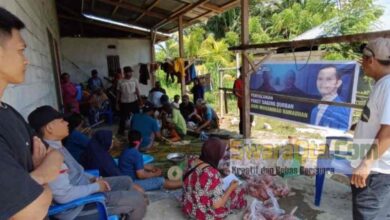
x=325 y=80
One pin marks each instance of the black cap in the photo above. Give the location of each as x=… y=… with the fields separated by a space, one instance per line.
x=41 y=116
x=148 y=106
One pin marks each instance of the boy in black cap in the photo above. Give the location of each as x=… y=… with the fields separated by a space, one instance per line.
x=73 y=183
x=26 y=165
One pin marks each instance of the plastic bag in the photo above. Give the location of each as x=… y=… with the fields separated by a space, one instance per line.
x=224 y=163
x=289 y=216
x=263 y=211
x=257 y=186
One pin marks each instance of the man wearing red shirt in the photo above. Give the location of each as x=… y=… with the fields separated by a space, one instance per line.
x=238 y=91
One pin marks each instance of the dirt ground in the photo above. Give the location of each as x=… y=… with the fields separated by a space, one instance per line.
x=336 y=199
x=335 y=202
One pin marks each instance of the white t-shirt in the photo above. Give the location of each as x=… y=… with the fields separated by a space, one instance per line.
x=155 y=97
x=375 y=113
x=127 y=88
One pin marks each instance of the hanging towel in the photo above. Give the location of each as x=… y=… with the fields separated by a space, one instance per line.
x=169 y=70
x=178 y=65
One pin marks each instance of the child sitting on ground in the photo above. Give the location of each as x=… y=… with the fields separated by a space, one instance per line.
x=147 y=176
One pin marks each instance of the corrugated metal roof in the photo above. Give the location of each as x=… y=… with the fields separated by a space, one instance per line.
x=160 y=15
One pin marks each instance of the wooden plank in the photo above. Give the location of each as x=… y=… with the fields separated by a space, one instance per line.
x=226 y=103
x=317 y=41
x=152 y=55
x=245 y=66
x=93 y=5
x=115 y=27
x=179 y=13
x=68 y=10
x=133 y=8
x=181 y=54
x=220 y=77
x=212 y=7
x=192 y=21
x=303 y=99
x=231 y=4
x=116 y=8
x=147 y=9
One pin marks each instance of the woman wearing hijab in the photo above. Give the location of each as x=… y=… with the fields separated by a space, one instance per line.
x=69 y=94
x=77 y=141
x=203 y=194
x=97 y=157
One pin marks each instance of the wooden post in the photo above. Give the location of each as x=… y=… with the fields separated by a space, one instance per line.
x=237 y=64
x=226 y=101
x=152 y=55
x=181 y=53
x=220 y=73
x=245 y=66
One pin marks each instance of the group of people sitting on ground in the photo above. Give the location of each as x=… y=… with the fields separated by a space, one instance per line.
x=171 y=120
x=156 y=117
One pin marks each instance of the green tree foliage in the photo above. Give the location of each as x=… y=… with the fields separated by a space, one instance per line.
x=167 y=50
x=271 y=21
x=256 y=32
x=298 y=17
x=193 y=40
x=221 y=24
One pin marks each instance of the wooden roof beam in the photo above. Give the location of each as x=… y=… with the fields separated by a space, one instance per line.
x=114 y=27
x=180 y=12
x=116 y=8
x=222 y=8
x=316 y=41
x=131 y=7
x=230 y=4
x=92 y=5
x=67 y=10
x=147 y=10
x=192 y=20
x=213 y=7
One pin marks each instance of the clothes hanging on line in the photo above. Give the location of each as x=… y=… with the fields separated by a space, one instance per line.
x=190 y=74
x=168 y=68
x=179 y=67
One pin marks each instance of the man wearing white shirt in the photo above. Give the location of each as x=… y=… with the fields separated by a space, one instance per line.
x=370 y=181
x=128 y=96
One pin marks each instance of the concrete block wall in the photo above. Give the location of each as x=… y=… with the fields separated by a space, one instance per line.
x=38 y=88
x=81 y=55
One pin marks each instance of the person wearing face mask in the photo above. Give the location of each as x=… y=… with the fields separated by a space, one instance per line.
x=122 y=198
